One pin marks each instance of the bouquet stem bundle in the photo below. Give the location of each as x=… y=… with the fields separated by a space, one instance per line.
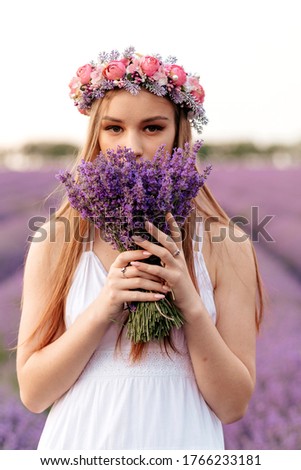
x=118 y=193
x=149 y=321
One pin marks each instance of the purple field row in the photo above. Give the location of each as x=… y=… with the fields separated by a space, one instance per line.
x=273 y=420
x=267 y=197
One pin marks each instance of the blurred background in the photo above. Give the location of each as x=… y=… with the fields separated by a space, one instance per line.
x=247 y=55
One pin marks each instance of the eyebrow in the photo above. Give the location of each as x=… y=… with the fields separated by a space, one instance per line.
x=150 y=119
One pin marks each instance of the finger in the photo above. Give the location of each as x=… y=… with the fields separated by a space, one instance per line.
x=124 y=258
x=175 y=230
x=155 y=249
x=172 y=241
x=138 y=283
x=164 y=239
x=140 y=296
x=136 y=296
x=167 y=248
x=151 y=269
x=132 y=272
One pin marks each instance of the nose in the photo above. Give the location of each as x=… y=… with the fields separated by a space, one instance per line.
x=134 y=142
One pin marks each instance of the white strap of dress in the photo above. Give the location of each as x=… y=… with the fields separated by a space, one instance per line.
x=88 y=241
x=198 y=235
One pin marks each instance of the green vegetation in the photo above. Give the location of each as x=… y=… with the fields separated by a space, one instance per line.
x=49 y=149
x=248 y=150
x=4 y=354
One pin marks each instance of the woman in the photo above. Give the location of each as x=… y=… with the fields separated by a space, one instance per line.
x=72 y=292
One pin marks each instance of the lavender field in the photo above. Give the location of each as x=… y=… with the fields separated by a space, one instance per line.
x=273 y=420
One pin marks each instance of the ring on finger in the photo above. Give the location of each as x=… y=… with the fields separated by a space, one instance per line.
x=123 y=270
x=176 y=253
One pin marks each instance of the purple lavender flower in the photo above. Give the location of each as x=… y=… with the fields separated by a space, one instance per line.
x=19 y=429
x=118 y=193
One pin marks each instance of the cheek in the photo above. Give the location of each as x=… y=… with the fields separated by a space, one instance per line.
x=99 y=139
x=171 y=141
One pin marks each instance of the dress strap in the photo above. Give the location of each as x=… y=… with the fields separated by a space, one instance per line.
x=198 y=234
x=88 y=240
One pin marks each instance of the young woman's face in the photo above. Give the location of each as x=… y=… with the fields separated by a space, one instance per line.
x=141 y=122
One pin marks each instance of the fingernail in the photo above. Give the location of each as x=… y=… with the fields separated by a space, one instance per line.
x=146 y=253
x=159 y=296
x=135 y=263
x=166 y=288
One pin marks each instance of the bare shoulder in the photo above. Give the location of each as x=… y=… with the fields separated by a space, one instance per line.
x=44 y=250
x=228 y=251
x=45 y=247
x=43 y=254
x=235 y=252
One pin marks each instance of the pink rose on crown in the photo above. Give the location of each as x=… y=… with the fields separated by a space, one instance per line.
x=149 y=65
x=84 y=74
x=114 y=70
x=199 y=94
x=178 y=75
x=125 y=61
x=83 y=111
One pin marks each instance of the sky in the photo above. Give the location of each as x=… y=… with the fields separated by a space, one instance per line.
x=246 y=52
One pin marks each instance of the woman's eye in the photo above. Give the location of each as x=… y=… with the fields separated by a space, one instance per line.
x=153 y=128
x=114 y=129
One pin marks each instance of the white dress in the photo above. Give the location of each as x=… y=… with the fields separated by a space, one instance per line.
x=115 y=405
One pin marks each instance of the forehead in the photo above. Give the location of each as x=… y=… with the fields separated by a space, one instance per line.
x=123 y=104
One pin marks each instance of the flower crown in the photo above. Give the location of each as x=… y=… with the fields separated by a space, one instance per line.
x=132 y=71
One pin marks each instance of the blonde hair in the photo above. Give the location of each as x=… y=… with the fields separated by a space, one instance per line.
x=52 y=319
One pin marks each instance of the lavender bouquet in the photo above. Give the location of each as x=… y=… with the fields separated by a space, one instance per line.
x=118 y=192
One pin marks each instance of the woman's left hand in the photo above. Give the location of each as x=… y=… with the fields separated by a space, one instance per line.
x=173 y=272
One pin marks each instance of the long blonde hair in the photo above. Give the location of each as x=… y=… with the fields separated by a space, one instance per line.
x=52 y=319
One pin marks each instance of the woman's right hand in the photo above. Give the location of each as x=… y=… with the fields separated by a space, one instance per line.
x=125 y=284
